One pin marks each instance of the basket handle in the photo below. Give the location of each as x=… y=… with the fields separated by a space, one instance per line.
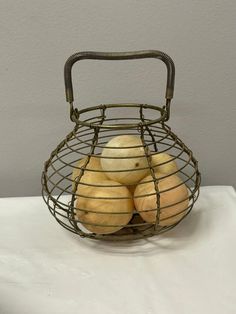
x=119 y=56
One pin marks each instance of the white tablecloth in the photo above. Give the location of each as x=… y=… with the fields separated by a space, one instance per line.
x=191 y=269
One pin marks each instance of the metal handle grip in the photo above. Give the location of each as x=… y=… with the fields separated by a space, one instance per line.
x=119 y=56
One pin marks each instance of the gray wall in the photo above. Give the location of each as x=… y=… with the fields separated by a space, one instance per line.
x=38 y=36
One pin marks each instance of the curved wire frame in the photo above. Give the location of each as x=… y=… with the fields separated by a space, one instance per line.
x=60 y=190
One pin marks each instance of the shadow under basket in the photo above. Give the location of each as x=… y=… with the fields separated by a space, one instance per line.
x=94 y=128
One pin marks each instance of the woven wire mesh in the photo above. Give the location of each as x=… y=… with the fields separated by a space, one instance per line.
x=87 y=140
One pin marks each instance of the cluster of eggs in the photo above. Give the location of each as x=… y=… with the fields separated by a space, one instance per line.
x=112 y=186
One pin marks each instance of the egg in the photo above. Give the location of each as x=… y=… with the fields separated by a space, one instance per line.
x=108 y=209
x=89 y=176
x=170 y=213
x=127 y=157
x=162 y=162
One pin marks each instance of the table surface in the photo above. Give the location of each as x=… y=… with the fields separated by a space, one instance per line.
x=190 y=269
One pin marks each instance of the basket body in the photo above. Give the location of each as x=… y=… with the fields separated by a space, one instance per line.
x=90 y=135
x=149 y=186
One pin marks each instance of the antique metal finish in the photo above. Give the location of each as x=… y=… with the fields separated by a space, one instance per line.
x=143 y=54
x=94 y=127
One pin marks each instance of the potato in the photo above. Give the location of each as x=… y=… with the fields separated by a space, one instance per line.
x=169 y=165
x=121 y=159
x=168 y=208
x=110 y=211
x=89 y=176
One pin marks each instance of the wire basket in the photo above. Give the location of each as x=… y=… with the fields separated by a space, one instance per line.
x=140 y=194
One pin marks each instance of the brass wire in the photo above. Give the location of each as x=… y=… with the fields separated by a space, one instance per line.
x=94 y=127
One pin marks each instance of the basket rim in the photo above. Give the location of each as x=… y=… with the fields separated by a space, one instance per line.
x=142 y=122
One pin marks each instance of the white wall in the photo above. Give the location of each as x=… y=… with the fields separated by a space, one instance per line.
x=38 y=36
